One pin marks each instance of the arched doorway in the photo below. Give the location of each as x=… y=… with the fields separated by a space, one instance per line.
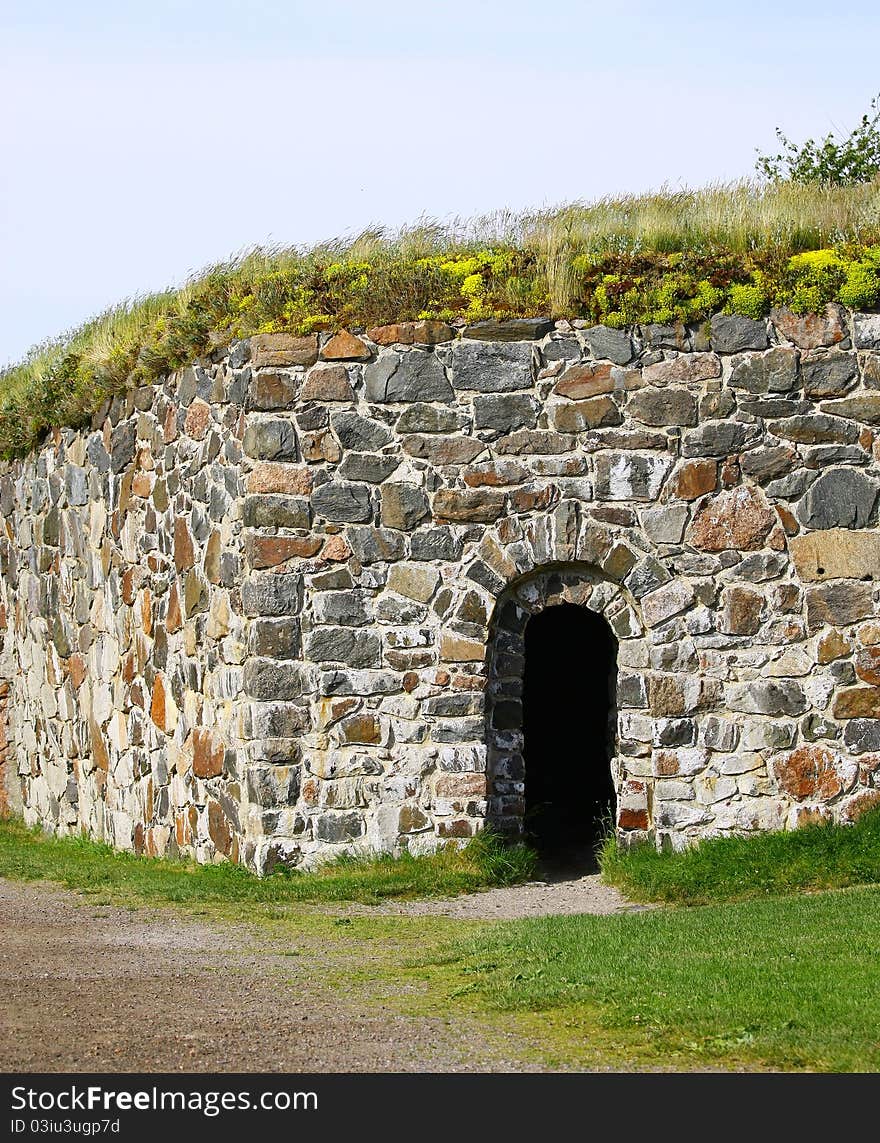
x=569 y=720
x=552 y=710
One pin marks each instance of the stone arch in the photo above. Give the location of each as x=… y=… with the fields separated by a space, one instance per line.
x=580 y=584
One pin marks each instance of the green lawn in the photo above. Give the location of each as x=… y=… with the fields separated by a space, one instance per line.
x=790 y=982
x=740 y=868
x=29 y=855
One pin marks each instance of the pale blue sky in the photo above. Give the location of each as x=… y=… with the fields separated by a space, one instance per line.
x=143 y=140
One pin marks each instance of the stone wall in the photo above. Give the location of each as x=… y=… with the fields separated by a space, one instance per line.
x=273 y=608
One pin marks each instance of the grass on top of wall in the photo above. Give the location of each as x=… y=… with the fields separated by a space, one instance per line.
x=662 y=257
x=88 y=866
x=813 y=858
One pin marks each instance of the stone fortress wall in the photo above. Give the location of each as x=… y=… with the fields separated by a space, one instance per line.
x=272 y=608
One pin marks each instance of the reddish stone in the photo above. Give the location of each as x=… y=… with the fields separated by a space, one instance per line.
x=834 y=645
x=859 y=804
x=344 y=346
x=787 y=520
x=287 y=479
x=461 y=786
x=219 y=829
x=173 y=617
x=319 y=446
x=76 y=666
x=742 y=611
x=269 y=551
x=272 y=391
x=129 y=588
x=139 y=838
x=439 y=449
x=328 y=385
x=809 y=772
x=457 y=827
x=157 y=705
x=147 y=611
x=665 y=763
x=632 y=819
x=811 y=331
x=868 y=665
x=534 y=500
x=411 y=333
x=281 y=349
x=740 y=519
x=364 y=729
x=335 y=549
x=142 y=485
x=410 y=681
x=580 y=381
x=494 y=474
x=184 y=551
x=410 y=819
x=471 y=507
x=208 y=754
x=212 y=557
x=693 y=479
x=857 y=702
x=198 y=417
x=169 y=426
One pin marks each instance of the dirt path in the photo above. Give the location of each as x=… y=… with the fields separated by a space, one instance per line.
x=536 y=899
x=93 y=988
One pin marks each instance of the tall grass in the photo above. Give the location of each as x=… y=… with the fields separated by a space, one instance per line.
x=816 y=857
x=533 y=263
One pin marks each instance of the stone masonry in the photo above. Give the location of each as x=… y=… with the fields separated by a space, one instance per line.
x=272 y=609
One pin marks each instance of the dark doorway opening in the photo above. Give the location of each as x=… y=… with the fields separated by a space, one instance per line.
x=568 y=725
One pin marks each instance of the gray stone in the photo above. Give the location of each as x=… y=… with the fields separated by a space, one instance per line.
x=665 y=525
x=273 y=785
x=367 y=466
x=272 y=594
x=123 y=442
x=268 y=680
x=630 y=476
x=427 y=419
x=347 y=608
x=822 y=456
x=791 y=487
x=436 y=544
x=505 y=411
x=662 y=407
x=355 y=648
x=866 y=331
x=732 y=334
x=274 y=638
x=273 y=439
x=492 y=367
x=716 y=438
x=765 y=464
x=403 y=506
x=361 y=434
x=609 y=344
x=336 y=828
x=342 y=502
x=76 y=484
x=516 y=329
x=861 y=735
x=374 y=545
x=772 y=372
x=839 y=498
x=414 y=375
x=276 y=512
x=839 y=604
x=767 y=696
x=816 y=428
x=829 y=375
x=864 y=407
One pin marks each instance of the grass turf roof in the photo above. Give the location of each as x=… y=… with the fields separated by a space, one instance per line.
x=662 y=257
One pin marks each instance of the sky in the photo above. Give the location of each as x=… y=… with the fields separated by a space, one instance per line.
x=141 y=141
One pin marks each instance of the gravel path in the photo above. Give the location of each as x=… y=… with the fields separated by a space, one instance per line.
x=535 y=899
x=99 y=988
